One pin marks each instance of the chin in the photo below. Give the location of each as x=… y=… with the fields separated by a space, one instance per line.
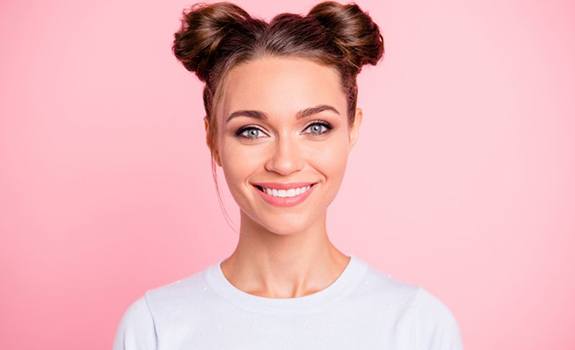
x=285 y=231
x=285 y=225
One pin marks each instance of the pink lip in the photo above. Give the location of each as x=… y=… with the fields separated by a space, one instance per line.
x=286 y=201
x=280 y=186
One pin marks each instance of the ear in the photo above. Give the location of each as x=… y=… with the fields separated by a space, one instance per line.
x=214 y=152
x=354 y=132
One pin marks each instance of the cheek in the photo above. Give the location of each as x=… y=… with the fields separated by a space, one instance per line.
x=331 y=161
x=238 y=161
x=331 y=157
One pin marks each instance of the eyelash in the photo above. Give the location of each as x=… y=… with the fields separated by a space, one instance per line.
x=327 y=125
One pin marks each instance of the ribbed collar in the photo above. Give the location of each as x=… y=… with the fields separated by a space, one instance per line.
x=350 y=277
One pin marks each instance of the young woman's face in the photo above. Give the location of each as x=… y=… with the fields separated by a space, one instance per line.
x=261 y=139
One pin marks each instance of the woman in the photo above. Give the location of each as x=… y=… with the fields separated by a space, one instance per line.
x=281 y=119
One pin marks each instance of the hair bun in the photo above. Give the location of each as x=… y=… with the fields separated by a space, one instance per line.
x=353 y=32
x=203 y=28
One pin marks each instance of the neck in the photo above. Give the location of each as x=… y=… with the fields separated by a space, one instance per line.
x=286 y=264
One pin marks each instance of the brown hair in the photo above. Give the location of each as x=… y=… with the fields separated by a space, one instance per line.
x=213 y=38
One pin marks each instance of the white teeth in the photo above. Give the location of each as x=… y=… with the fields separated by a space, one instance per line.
x=292 y=192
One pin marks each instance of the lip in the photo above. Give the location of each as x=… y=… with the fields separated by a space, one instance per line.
x=286 y=201
x=283 y=186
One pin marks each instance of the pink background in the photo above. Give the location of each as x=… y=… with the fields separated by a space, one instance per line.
x=462 y=180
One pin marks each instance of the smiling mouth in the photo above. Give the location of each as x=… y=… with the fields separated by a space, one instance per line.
x=285 y=197
x=285 y=193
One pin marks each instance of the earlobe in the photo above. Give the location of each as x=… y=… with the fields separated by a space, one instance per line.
x=355 y=127
x=217 y=159
x=207 y=129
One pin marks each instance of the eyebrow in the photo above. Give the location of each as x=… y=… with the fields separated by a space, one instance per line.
x=299 y=115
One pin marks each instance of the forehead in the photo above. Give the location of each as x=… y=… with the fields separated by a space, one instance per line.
x=281 y=86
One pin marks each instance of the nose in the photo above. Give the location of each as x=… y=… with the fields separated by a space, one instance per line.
x=286 y=156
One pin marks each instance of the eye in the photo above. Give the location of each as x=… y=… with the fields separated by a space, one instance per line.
x=316 y=127
x=248 y=132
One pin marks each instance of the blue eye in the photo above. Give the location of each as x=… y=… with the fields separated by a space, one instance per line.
x=251 y=132
x=316 y=127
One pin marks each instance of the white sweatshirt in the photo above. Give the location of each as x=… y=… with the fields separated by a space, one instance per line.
x=362 y=309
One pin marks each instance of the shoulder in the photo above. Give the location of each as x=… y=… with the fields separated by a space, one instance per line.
x=143 y=317
x=419 y=317
x=176 y=297
x=436 y=326
x=136 y=329
x=381 y=289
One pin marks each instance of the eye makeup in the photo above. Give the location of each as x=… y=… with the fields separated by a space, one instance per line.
x=318 y=122
x=250 y=130
x=243 y=129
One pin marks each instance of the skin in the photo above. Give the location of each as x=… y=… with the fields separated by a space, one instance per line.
x=283 y=252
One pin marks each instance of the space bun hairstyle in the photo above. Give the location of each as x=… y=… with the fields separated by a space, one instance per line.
x=215 y=37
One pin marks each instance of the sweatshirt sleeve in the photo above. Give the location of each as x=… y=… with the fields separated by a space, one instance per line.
x=437 y=328
x=136 y=329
